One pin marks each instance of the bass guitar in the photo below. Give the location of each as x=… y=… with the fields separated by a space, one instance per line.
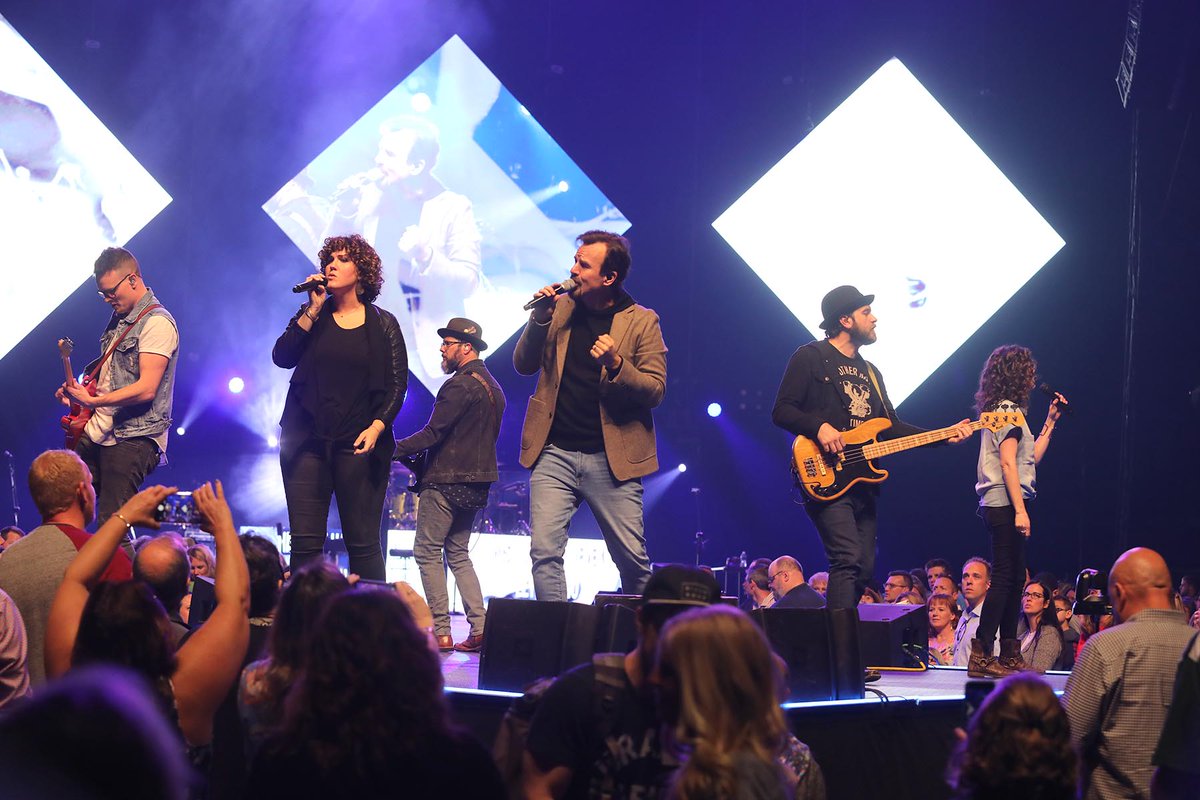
x=827 y=476
x=74 y=422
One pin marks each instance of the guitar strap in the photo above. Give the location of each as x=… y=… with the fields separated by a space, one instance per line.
x=883 y=401
x=96 y=370
x=491 y=397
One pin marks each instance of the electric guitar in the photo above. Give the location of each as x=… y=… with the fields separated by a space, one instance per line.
x=74 y=422
x=827 y=476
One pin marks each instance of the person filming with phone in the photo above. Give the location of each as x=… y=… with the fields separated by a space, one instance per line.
x=350 y=375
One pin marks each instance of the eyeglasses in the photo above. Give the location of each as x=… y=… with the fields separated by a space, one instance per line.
x=894 y=586
x=450 y=344
x=771 y=578
x=109 y=294
x=1034 y=595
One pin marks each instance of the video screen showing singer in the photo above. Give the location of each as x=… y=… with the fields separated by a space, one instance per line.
x=349 y=381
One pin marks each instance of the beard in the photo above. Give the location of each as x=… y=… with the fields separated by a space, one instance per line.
x=447 y=367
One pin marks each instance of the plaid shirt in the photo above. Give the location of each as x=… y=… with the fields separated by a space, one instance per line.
x=1117 y=700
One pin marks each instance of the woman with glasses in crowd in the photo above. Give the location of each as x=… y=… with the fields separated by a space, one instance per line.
x=1041 y=640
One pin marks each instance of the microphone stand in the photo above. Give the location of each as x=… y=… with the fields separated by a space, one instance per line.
x=12 y=482
x=700 y=537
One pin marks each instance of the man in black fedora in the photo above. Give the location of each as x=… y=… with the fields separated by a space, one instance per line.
x=828 y=389
x=454 y=476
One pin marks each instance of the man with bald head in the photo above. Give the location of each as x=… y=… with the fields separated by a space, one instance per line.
x=33 y=567
x=785 y=577
x=162 y=564
x=1119 y=692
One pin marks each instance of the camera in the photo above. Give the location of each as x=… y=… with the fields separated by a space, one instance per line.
x=178 y=509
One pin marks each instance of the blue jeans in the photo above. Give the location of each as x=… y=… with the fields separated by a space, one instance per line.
x=562 y=479
x=847 y=530
x=441 y=525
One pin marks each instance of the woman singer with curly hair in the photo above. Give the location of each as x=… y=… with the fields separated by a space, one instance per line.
x=349 y=380
x=1006 y=484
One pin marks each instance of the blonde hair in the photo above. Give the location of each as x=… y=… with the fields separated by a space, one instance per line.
x=53 y=478
x=727 y=685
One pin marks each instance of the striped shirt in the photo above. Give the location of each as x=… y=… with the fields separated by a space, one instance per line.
x=1117 y=700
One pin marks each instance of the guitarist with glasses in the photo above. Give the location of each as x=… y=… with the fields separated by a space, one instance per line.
x=829 y=389
x=121 y=412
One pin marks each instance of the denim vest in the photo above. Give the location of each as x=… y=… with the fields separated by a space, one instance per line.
x=143 y=419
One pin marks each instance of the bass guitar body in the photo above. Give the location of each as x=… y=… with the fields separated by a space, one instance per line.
x=827 y=476
x=74 y=422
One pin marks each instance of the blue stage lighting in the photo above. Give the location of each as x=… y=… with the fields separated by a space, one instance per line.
x=682 y=468
x=714 y=410
x=563 y=186
x=236 y=385
x=272 y=440
x=181 y=430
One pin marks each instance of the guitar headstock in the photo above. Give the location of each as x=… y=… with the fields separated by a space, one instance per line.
x=997 y=420
x=65 y=347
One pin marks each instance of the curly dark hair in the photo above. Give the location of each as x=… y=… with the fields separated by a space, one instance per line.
x=366 y=261
x=300 y=606
x=370 y=691
x=1009 y=374
x=1018 y=745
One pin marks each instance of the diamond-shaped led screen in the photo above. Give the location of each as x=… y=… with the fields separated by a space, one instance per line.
x=889 y=194
x=469 y=202
x=68 y=188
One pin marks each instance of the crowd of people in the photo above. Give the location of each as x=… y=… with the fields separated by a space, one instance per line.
x=282 y=684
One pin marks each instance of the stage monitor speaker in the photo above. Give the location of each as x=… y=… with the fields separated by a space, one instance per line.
x=846 y=653
x=892 y=635
x=616 y=622
x=524 y=640
x=801 y=637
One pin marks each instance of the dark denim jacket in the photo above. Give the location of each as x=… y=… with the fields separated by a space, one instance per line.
x=462 y=430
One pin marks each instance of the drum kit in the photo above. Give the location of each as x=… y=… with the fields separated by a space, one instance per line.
x=507 y=510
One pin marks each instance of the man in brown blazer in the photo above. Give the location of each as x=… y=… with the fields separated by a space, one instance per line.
x=589 y=432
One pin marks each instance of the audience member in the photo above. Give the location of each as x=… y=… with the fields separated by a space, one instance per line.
x=910 y=598
x=947 y=585
x=819 y=581
x=202 y=560
x=1070 y=635
x=1178 y=753
x=719 y=690
x=264 y=683
x=758 y=589
x=95 y=621
x=9 y=535
x=976 y=580
x=162 y=564
x=367 y=716
x=936 y=568
x=14 y=653
x=869 y=596
x=228 y=768
x=1119 y=692
x=786 y=579
x=898 y=582
x=941 y=629
x=1188 y=586
x=569 y=753
x=1018 y=746
x=96 y=734
x=32 y=568
x=1037 y=628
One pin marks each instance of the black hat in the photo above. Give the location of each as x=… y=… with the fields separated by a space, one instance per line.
x=842 y=301
x=465 y=329
x=681 y=585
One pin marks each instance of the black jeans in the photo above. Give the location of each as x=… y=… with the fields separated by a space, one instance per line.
x=1008 y=575
x=847 y=529
x=317 y=472
x=117 y=470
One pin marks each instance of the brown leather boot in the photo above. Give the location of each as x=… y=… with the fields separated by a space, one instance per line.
x=1010 y=656
x=982 y=664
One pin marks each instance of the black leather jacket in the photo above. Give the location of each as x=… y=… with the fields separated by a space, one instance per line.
x=387 y=379
x=462 y=430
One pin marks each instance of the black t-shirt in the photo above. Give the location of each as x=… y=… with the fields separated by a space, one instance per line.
x=576 y=423
x=625 y=761
x=853 y=383
x=343 y=365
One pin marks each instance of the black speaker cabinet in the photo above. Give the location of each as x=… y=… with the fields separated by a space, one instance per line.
x=524 y=640
x=820 y=648
x=892 y=636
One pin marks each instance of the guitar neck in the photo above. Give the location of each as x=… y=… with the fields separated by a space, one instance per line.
x=67 y=369
x=878 y=449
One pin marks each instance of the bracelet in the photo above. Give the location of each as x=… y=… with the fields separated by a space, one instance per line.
x=128 y=524
x=1046 y=430
x=311 y=317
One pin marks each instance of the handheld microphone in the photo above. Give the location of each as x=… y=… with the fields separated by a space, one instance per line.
x=309 y=285
x=542 y=299
x=1063 y=406
x=358 y=181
